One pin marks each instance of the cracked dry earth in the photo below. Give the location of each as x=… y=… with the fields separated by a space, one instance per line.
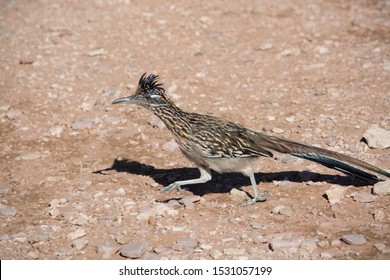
x=80 y=178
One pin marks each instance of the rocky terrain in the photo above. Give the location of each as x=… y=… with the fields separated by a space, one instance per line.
x=79 y=178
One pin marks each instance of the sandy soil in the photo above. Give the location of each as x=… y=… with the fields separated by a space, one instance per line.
x=80 y=178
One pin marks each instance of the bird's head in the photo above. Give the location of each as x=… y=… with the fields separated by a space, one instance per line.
x=149 y=94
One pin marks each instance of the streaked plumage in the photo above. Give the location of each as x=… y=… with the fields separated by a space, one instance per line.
x=214 y=143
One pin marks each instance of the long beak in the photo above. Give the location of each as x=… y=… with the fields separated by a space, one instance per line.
x=126 y=99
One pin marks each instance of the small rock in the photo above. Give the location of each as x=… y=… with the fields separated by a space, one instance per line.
x=156 y=122
x=364 y=197
x=277 y=244
x=80 y=232
x=264 y=47
x=382 y=188
x=106 y=250
x=335 y=243
x=335 y=194
x=277 y=130
x=33 y=255
x=30 y=156
x=234 y=251
x=190 y=199
x=4 y=189
x=170 y=146
x=5 y=237
x=238 y=195
x=80 y=244
x=282 y=210
x=134 y=250
x=379 y=215
x=216 y=254
x=185 y=243
x=326 y=256
x=82 y=124
x=97 y=52
x=309 y=244
x=256 y=225
x=13 y=114
x=354 y=239
x=56 y=130
x=8 y=212
x=382 y=248
x=38 y=237
x=377 y=138
x=54 y=212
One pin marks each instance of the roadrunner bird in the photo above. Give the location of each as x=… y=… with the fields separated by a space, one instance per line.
x=223 y=146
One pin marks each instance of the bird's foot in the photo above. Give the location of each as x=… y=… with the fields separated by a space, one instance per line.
x=259 y=198
x=171 y=187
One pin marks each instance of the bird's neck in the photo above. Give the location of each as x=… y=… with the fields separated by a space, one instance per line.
x=173 y=117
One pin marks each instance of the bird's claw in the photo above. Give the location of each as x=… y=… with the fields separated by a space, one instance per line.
x=260 y=198
x=171 y=187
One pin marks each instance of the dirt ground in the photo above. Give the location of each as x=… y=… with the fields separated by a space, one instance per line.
x=80 y=177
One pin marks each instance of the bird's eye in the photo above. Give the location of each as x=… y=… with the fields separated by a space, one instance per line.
x=154 y=96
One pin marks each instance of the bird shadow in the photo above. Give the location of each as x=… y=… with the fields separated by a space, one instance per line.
x=223 y=183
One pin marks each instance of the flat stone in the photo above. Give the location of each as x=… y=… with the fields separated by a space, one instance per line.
x=354 y=239
x=335 y=194
x=134 y=250
x=4 y=189
x=30 y=156
x=234 y=251
x=38 y=237
x=377 y=138
x=364 y=197
x=80 y=232
x=106 y=250
x=282 y=210
x=8 y=212
x=190 y=199
x=82 y=124
x=170 y=146
x=238 y=195
x=80 y=244
x=278 y=244
x=186 y=242
x=382 y=188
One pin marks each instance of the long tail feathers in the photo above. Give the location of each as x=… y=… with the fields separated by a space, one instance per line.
x=340 y=162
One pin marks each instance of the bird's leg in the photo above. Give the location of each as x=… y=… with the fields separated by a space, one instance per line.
x=258 y=195
x=205 y=175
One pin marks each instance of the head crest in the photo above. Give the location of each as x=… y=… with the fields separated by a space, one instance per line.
x=148 y=83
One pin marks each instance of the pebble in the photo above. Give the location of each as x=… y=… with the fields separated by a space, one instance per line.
x=364 y=197
x=326 y=256
x=277 y=130
x=382 y=188
x=278 y=244
x=238 y=195
x=282 y=210
x=134 y=250
x=54 y=212
x=309 y=244
x=38 y=237
x=379 y=215
x=82 y=124
x=97 y=52
x=185 y=244
x=56 y=130
x=106 y=250
x=4 y=189
x=382 y=248
x=234 y=251
x=8 y=212
x=80 y=232
x=335 y=194
x=170 y=146
x=216 y=254
x=354 y=239
x=335 y=243
x=264 y=47
x=80 y=244
x=377 y=138
x=156 y=122
x=33 y=255
x=159 y=209
x=30 y=155
x=13 y=114
x=189 y=200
